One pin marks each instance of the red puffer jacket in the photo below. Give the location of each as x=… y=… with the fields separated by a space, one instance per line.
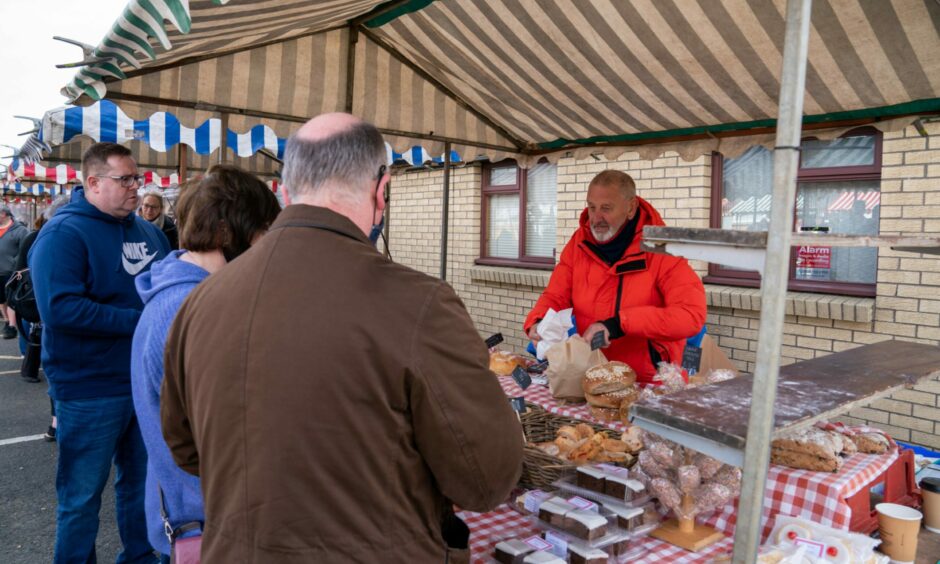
x=659 y=298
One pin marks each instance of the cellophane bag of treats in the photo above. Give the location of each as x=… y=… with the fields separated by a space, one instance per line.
x=567 y=363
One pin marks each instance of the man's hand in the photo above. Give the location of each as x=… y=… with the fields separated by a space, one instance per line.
x=533 y=333
x=595 y=328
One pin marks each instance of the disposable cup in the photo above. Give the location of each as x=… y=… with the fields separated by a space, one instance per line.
x=899 y=526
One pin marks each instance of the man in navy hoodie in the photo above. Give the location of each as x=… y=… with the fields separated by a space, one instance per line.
x=83 y=265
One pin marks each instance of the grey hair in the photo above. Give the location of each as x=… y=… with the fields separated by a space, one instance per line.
x=54 y=206
x=152 y=190
x=5 y=210
x=349 y=159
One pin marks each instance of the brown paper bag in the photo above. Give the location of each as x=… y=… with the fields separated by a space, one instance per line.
x=714 y=358
x=567 y=363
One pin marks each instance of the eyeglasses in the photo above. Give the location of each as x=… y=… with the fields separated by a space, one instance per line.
x=125 y=181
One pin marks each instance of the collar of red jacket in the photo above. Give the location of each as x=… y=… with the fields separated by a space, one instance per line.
x=648 y=216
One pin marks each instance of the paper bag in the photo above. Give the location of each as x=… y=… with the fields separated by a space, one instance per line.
x=567 y=363
x=714 y=358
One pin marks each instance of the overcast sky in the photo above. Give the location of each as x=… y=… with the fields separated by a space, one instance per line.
x=28 y=55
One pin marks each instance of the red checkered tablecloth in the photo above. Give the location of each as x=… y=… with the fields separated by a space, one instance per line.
x=817 y=496
x=541 y=396
x=487 y=529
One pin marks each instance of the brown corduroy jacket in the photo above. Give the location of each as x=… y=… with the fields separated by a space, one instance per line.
x=331 y=401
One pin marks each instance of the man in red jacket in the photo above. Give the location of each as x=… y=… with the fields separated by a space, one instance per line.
x=646 y=304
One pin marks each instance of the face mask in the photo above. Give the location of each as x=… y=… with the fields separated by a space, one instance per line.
x=377 y=231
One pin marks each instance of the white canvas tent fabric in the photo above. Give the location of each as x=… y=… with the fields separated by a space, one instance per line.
x=519 y=76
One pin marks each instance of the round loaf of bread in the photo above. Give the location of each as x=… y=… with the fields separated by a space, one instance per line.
x=609 y=377
x=613 y=400
x=503 y=363
x=605 y=414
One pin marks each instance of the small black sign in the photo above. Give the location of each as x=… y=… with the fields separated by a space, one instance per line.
x=494 y=340
x=518 y=404
x=691 y=359
x=521 y=377
x=598 y=340
x=538 y=368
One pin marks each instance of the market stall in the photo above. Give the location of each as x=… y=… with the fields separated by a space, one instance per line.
x=538 y=80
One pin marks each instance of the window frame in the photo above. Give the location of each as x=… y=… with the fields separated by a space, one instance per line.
x=519 y=188
x=719 y=274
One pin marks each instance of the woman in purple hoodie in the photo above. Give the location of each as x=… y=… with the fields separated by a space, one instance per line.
x=220 y=216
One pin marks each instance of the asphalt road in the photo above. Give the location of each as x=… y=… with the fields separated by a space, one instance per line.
x=27 y=473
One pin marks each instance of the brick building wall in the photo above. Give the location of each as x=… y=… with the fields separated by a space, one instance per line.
x=907 y=304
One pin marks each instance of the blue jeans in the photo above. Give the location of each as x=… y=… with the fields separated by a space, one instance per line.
x=91 y=433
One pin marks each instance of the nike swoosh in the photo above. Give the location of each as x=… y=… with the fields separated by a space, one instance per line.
x=134 y=268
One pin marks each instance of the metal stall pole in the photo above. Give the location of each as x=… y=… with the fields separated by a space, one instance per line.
x=223 y=142
x=445 y=211
x=774 y=282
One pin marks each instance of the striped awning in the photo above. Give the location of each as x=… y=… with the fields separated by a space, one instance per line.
x=35 y=189
x=846 y=200
x=518 y=77
x=162 y=131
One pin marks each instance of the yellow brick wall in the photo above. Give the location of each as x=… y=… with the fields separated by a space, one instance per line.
x=907 y=305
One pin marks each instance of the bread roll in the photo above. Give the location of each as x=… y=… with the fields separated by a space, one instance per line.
x=569 y=432
x=609 y=377
x=872 y=443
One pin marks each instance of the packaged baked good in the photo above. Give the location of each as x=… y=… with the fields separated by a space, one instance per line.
x=580 y=554
x=809 y=449
x=604 y=414
x=608 y=377
x=623 y=488
x=542 y=557
x=586 y=525
x=511 y=551
x=872 y=443
x=590 y=478
x=553 y=511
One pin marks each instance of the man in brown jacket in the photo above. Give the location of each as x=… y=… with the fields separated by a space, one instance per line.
x=335 y=420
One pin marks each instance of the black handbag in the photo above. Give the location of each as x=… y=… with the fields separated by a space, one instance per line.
x=20 y=296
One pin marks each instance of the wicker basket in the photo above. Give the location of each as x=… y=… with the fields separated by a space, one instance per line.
x=539 y=469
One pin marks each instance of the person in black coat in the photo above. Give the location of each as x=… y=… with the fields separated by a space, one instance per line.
x=153 y=209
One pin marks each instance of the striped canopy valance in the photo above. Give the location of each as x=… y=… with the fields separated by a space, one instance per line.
x=519 y=77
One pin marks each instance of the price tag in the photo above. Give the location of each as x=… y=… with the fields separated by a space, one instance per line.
x=538 y=368
x=812 y=547
x=541 y=380
x=582 y=503
x=598 y=340
x=691 y=359
x=494 y=340
x=518 y=404
x=558 y=542
x=521 y=377
x=534 y=500
x=538 y=543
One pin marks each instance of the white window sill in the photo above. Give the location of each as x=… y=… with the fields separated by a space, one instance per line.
x=820 y=306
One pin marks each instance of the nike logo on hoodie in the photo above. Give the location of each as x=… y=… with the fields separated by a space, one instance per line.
x=136 y=252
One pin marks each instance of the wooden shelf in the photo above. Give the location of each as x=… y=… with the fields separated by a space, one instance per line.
x=747 y=249
x=714 y=418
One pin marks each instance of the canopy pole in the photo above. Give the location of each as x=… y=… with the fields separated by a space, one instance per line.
x=223 y=141
x=774 y=282
x=182 y=156
x=445 y=210
x=351 y=66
